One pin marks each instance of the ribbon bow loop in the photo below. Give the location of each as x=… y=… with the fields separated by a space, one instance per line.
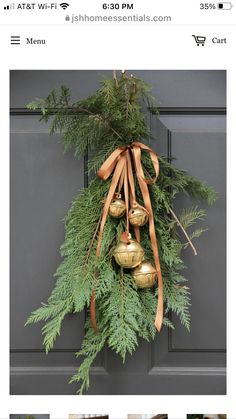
x=137 y=148
x=108 y=166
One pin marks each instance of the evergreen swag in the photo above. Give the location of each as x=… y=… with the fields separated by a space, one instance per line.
x=113 y=116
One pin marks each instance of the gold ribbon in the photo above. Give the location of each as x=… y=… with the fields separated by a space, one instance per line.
x=120 y=164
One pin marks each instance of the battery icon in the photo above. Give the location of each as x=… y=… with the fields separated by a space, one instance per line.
x=226 y=5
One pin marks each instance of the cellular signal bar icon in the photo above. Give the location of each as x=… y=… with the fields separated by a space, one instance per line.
x=9 y=7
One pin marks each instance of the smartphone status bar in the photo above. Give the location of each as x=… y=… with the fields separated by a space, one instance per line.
x=164 y=12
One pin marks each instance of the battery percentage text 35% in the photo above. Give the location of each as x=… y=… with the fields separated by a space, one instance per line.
x=207 y=6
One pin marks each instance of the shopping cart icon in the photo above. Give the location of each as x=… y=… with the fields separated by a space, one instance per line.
x=200 y=40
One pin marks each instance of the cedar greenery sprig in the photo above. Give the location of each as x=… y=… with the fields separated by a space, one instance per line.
x=115 y=115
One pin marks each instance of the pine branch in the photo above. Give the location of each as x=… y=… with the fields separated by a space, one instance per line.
x=115 y=78
x=92 y=344
x=177 y=299
x=93 y=239
x=183 y=230
x=122 y=308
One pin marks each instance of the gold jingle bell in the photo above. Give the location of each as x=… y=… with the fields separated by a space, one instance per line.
x=128 y=255
x=138 y=216
x=117 y=207
x=145 y=275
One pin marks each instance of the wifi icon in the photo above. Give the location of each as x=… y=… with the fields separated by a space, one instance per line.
x=64 y=5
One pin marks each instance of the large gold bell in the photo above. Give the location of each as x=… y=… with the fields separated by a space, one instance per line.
x=128 y=255
x=138 y=216
x=145 y=275
x=117 y=208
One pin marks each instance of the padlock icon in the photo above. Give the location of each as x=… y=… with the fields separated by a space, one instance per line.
x=67 y=17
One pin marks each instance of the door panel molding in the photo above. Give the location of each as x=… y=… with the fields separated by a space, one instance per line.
x=172 y=381
x=162 y=111
x=170 y=133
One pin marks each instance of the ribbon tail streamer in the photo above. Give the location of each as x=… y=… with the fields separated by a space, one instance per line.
x=117 y=173
x=147 y=202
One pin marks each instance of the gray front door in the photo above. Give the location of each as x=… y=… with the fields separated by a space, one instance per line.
x=190 y=129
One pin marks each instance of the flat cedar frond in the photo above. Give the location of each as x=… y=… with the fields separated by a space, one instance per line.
x=178 y=301
x=92 y=344
x=122 y=307
x=188 y=217
x=146 y=318
x=112 y=117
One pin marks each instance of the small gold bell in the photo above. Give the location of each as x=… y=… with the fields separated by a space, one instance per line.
x=138 y=216
x=128 y=255
x=117 y=207
x=145 y=275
